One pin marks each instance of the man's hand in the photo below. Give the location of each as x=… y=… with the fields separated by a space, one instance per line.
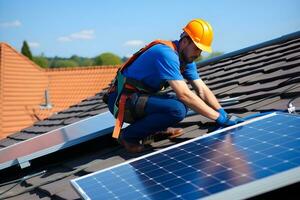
x=228 y=120
x=222 y=112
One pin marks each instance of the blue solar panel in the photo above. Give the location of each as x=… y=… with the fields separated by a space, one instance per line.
x=236 y=162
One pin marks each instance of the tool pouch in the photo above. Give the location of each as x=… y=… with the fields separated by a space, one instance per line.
x=135 y=107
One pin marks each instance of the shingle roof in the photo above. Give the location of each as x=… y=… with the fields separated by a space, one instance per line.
x=23 y=84
x=264 y=77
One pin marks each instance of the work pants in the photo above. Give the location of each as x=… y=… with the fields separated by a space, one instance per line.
x=161 y=112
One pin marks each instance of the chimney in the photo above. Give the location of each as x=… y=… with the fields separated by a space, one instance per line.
x=47 y=104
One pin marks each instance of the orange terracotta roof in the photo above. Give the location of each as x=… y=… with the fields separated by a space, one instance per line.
x=23 y=84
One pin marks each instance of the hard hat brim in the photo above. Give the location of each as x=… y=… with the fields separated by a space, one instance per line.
x=203 y=47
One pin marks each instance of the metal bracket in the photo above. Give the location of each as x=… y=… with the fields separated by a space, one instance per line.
x=23 y=163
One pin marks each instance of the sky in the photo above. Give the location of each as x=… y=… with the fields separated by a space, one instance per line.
x=91 y=27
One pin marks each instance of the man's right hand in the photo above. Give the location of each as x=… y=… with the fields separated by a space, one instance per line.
x=228 y=120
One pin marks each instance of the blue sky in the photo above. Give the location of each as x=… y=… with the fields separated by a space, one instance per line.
x=91 y=27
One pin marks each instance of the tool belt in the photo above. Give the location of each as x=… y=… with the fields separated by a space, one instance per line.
x=134 y=105
x=130 y=102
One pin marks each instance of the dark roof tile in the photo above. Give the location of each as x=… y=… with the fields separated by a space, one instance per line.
x=62 y=116
x=257 y=87
x=279 y=74
x=220 y=91
x=77 y=109
x=30 y=196
x=272 y=66
x=281 y=104
x=102 y=164
x=41 y=129
x=49 y=122
x=71 y=120
x=258 y=104
x=17 y=188
x=60 y=186
x=89 y=102
x=294 y=56
x=21 y=136
x=7 y=142
x=68 y=193
x=93 y=112
x=292 y=93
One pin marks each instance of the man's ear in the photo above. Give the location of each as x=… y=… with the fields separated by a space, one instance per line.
x=185 y=41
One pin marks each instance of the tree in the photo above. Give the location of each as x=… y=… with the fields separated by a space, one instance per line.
x=211 y=55
x=87 y=62
x=64 y=63
x=214 y=54
x=108 y=59
x=41 y=60
x=26 y=51
x=82 y=61
x=76 y=58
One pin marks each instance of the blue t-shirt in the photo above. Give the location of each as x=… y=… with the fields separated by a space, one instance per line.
x=159 y=64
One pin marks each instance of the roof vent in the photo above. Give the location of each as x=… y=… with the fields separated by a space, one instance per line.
x=47 y=104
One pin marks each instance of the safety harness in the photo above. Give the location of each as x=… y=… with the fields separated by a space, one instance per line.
x=125 y=87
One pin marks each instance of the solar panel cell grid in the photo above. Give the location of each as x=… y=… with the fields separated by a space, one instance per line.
x=204 y=166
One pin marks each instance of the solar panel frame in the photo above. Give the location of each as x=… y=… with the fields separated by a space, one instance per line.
x=242 y=191
x=23 y=152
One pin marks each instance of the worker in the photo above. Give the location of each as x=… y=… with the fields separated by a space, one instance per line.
x=135 y=94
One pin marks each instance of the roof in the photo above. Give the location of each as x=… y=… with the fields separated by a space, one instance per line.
x=264 y=77
x=23 y=86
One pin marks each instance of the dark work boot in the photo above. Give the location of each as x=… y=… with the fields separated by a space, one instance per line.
x=172 y=132
x=130 y=147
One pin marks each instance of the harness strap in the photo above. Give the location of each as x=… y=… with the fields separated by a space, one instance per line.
x=120 y=117
x=120 y=80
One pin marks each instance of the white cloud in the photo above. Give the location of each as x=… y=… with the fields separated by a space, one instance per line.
x=34 y=44
x=64 y=39
x=134 y=43
x=82 y=35
x=11 y=24
x=128 y=55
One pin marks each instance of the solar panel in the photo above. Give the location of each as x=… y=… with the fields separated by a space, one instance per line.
x=23 y=152
x=236 y=162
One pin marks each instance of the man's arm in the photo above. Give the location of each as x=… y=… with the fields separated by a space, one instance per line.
x=192 y=100
x=205 y=93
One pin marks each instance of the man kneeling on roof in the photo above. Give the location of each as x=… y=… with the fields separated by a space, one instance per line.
x=134 y=96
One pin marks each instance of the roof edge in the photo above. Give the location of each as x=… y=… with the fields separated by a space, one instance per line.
x=250 y=48
x=20 y=54
x=82 y=68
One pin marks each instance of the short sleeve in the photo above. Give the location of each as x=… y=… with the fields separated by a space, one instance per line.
x=190 y=72
x=167 y=64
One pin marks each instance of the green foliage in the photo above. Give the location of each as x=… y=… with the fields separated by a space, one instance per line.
x=199 y=58
x=211 y=55
x=41 y=61
x=108 y=59
x=214 y=54
x=87 y=62
x=56 y=63
x=82 y=61
x=26 y=50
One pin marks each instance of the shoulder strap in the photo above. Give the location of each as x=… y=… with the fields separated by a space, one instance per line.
x=142 y=50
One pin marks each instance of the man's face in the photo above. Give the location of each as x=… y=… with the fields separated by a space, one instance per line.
x=190 y=52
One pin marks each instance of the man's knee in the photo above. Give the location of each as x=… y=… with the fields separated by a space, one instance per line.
x=179 y=111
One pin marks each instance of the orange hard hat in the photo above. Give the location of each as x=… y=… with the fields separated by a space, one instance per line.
x=201 y=33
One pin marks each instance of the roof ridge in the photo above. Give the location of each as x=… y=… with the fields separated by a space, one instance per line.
x=82 y=68
x=277 y=40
